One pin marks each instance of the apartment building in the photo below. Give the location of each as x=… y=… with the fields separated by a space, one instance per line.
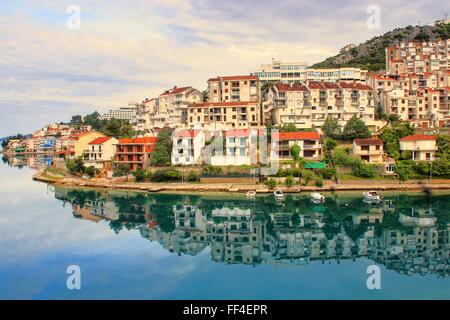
x=135 y=152
x=369 y=150
x=309 y=143
x=298 y=72
x=171 y=109
x=240 y=148
x=223 y=115
x=79 y=142
x=101 y=152
x=234 y=89
x=187 y=147
x=422 y=147
x=308 y=106
x=124 y=113
x=418 y=57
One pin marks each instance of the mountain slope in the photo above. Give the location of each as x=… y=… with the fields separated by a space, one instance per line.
x=371 y=54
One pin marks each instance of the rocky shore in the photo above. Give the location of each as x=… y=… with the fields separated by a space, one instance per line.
x=47 y=177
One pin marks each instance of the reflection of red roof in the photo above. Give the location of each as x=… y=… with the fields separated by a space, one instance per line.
x=100 y=140
x=146 y=140
x=418 y=137
x=370 y=142
x=307 y=135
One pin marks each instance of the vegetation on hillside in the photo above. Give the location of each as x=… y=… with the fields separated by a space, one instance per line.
x=113 y=128
x=371 y=54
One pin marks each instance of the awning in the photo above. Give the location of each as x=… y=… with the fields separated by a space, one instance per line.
x=315 y=165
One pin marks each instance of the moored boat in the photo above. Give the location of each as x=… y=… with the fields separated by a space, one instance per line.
x=317 y=197
x=278 y=194
x=251 y=194
x=372 y=196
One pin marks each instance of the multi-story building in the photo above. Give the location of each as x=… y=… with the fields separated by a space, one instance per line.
x=223 y=115
x=308 y=106
x=298 y=72
x=282 y=142
x=234 y=89
x=101 y=152
x=239 y=148
x=171 y=109
x=422 y=147
x=79 y=142
x=187 y=146
x=369 y=150
x=418 y=57
x=135 y=152
x=124 y=113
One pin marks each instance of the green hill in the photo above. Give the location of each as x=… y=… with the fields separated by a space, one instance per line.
x=371 y=54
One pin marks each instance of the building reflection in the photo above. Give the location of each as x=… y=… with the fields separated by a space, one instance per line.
x=405 y=233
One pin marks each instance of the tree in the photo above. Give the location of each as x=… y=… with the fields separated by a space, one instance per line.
x=289 y=181
x=332 y=128
x=288 y=128
x=140 y=175
x=162 y=151
x=76 y=120
x=271 y=183
x=364 y=171
x=391 y=136
x=404 y=170
x=91 y=171
x=123 y=169
x=330 y=144
x=295 y=151
x=75 y=166
x=355 y=129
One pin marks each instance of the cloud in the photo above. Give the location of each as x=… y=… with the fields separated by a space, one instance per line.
x=128 y=51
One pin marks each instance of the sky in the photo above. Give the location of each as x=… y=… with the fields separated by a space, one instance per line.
x=126 y=51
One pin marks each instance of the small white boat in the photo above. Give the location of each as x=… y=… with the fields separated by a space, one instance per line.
x=278 y=194
x=251 y=194
x=372 y=196
x=317 y=197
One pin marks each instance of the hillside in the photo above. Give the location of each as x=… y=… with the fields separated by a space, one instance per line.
x=371 y=55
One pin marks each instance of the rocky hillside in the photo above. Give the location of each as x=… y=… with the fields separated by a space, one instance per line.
x=371 y=54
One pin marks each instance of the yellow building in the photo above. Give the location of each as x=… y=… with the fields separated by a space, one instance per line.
x=80 y=142
x=369 y=150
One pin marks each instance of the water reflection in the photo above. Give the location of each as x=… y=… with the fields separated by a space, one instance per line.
x=405 y=233
x=32 y=161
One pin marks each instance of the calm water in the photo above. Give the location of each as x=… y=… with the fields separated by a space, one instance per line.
x=159 y=246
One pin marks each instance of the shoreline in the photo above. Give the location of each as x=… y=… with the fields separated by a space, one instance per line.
x=45 y=177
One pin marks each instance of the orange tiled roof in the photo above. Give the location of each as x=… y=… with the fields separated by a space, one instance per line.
x=306 y=135
x=418 y=137
x=370 y=142
x=100 y=140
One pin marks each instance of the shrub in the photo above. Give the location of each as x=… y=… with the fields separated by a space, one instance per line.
x=307 y=175
x=166 y=175
x=271 y=183
x=319 y=182
x=330 y=143
x=404 y=170
x=140 y=175
x=289 y=182
x=364 y=171
x=91 y=171
x=210 y=170
x=192 y=176
x=295 y=151
x=328 y=173
x=75 y=166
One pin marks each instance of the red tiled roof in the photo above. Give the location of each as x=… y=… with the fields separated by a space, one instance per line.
x=418 y=137
x=174 y=90
x=146 y=140
x=191 y=133
x=283 y=87
x=231 y=78
x=354 y=85
x=370 y=142
x=100 y=140
x=306 y=135
x=238 y=133
x=219 y=104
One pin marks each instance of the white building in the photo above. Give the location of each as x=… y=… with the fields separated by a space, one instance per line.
x=124 y=113
x=240 y=148
x=422 y=147
x=101 y=150
x=187 y=147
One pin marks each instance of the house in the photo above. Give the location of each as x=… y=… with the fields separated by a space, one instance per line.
x=369 y=150
x=308 y=141
x=135 y=152
x=101 y=152
x=187 y=147
x=422 y=147
x=239 y=148
x=79 y=142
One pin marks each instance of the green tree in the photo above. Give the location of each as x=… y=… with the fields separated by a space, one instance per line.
x=140 y=174
x=330 y=144
x=392 y=134
x=91 y=171
x=271 y=183
x=75 y=166
x=289 y=181
x=122 y=169
x=295 y=152
x=404 y=170
x=364 y=171
x=161 y=155
x=332 y=128
x=355 y=129
x=192 y=176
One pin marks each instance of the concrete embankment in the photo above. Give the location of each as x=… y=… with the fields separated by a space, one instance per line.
x=227 y=187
